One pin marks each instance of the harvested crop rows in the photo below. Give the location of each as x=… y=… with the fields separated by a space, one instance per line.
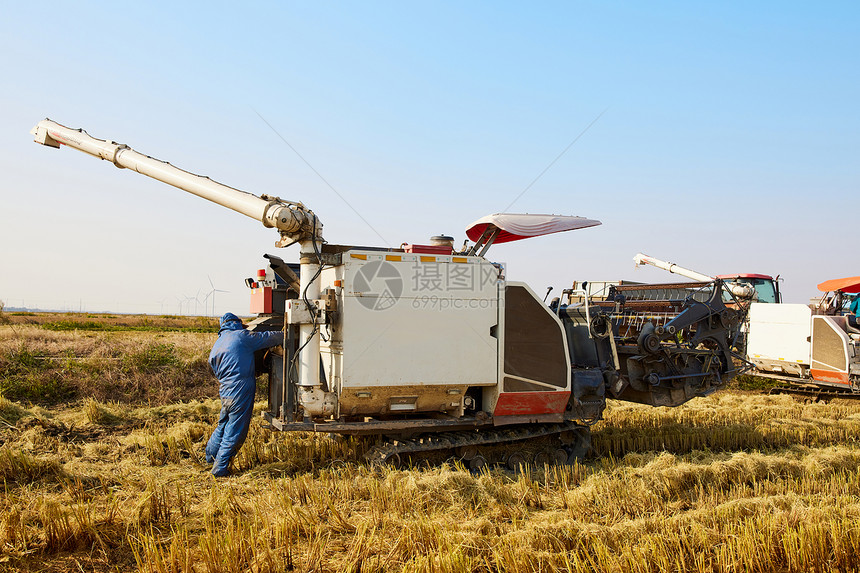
x=739 y=481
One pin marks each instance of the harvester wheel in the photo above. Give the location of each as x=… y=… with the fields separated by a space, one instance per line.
x=515 y=460
x=544 y=457
x=648 y=341
x=467 y=453
x=477 y=463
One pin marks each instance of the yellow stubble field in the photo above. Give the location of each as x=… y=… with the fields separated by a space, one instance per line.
x=102 y=434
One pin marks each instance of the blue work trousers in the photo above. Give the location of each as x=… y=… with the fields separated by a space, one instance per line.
x=228 y=437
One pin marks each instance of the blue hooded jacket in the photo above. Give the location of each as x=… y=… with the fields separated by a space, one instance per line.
x=232 y=356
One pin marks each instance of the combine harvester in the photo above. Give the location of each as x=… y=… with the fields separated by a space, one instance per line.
x=816 y=349
x=812 y=347
x=436 y=352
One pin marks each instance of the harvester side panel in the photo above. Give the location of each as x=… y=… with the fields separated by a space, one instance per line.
x=413 y=332
x=534 y=360
x=778 y=337
x=830 y=350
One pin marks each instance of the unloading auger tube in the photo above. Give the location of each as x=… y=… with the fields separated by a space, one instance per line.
x=744 y=291
x=293 y=220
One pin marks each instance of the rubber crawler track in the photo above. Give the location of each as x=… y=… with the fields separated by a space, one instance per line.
x=816 y=394
x=545 y=443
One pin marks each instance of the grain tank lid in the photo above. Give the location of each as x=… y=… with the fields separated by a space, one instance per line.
x=516 y=226
x=850 y=285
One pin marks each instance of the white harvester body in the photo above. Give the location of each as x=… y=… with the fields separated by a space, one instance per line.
x=398 y=314
x=422 y=338
x=788 y=341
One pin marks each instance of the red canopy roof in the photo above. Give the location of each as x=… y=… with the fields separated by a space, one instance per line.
x=516 y=226
x=849 y=285
x=745 y=276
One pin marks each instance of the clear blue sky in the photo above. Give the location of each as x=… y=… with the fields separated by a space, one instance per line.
x=729 y=142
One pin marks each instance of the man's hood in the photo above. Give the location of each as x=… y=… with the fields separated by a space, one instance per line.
x=230 y=322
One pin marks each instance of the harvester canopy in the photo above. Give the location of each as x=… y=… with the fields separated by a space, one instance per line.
x=849 y=285
x=516 y=226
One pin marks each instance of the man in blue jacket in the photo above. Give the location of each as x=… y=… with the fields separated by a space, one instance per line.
x=232 y=360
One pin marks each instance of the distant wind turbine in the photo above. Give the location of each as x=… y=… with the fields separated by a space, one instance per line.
x=187 y=300
x=197 y=302
x=212 y=292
